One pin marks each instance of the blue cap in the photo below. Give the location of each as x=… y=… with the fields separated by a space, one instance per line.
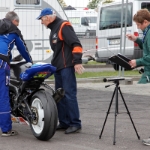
x=44 y=12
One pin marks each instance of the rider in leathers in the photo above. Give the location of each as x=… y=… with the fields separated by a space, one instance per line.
x=9 y=35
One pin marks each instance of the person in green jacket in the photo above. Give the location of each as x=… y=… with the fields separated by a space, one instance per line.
x=142 y=20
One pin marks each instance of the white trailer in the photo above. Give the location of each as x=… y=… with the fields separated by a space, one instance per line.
x=35 y=35
x=84 y=22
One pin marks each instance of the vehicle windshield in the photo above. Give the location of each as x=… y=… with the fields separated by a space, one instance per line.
x=110 y=17
x=145 y=5
x=91 y=19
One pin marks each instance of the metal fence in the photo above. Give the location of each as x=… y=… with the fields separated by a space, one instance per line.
x=37 y=36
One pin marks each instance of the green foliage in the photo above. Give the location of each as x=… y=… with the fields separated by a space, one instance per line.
x=94 y=3
x=108 y=1
x=62 y=3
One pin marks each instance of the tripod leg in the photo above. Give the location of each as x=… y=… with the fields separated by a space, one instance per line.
x=116 y=112
x=128 y=113
x=107 y=113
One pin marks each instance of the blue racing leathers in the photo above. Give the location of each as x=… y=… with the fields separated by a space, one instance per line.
x=7 y=42
x=5 y=110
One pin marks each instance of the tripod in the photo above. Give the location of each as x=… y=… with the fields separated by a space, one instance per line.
x=117 y=88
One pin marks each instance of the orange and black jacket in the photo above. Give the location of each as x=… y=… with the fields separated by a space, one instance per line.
x=65 y=44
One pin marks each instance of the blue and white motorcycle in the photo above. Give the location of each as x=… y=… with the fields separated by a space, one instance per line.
x=32 y=99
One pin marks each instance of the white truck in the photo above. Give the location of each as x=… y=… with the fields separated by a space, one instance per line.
x=83 y=21
x=35 y=35
x=108 y=30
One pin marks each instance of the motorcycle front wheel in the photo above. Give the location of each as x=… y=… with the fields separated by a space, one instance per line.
x=44 y=124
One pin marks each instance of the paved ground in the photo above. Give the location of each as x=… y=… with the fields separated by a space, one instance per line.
x=94 y=100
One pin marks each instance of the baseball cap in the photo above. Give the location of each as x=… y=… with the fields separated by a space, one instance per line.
x=44 y=12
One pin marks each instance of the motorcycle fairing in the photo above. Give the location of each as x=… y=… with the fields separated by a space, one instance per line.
x=38 y=70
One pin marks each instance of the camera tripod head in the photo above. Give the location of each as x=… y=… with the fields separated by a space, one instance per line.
x=116 y=79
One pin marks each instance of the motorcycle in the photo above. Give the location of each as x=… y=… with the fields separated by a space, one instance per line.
x=32 y=99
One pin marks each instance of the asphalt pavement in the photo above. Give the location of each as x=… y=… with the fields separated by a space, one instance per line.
x=94 y=100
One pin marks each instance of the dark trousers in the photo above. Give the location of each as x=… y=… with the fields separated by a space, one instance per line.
x=68 y=111
x=5 y=110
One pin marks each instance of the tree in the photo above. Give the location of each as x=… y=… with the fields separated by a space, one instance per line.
x=62 y=3
x=108 y=1
x=94 y=3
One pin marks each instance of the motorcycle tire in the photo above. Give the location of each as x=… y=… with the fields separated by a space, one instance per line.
x=44 y=125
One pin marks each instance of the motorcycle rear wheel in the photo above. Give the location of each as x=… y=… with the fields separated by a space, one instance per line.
x=44 y=125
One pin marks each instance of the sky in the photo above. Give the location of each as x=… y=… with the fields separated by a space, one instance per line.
x=77 y=3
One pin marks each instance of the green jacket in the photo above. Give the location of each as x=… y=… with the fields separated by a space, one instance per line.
x=145 y=60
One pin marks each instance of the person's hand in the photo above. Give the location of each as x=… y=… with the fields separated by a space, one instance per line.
x=79 y=68
x=131 y=37
x=132 y=63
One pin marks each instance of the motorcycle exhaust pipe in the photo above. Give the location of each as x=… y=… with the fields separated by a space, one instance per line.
x=59 y=94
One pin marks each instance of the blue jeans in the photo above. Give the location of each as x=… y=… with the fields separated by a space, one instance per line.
x=68 y=111
x=5 y=110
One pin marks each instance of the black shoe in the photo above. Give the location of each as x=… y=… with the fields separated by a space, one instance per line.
x=60 y=127
x=72 y=130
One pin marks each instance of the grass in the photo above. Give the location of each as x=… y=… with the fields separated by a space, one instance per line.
x=91 y=62
x=94 y=63
x=104 y=74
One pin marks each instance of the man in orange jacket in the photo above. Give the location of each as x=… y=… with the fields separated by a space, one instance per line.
x=67 y=58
